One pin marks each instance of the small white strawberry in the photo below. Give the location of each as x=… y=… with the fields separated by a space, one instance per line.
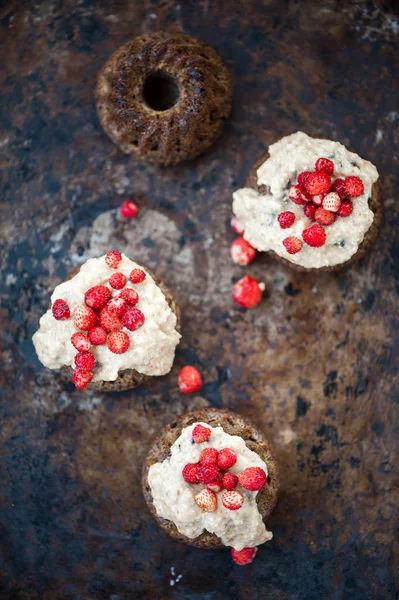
x=332 y=202
x=206 y=500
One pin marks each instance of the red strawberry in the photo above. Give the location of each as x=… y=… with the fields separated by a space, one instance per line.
x=332 y=202
x=292 y=244
x=80 y=341
x=189 y=380
x=201 y=434
x=298 y=195
x=238 y=228
x=230 y=481
x=109 y=322
x=190 y=472
x=247 y=292
x=137 y=276
x=117 y=281
x=309 y=209
x=226 y=459
x=241 y=252
x=244 y=556
x=116 y=307
x=113 y=259
x=81 y=378
x=206 y=500
x=339 y=187
x=132 y=318
x=97 y=296
x=302 y=177
x=253 y=478
x=346 y=208
x=60 y=310
x=318 y=183
x=118 y=342
x=216 y=485
x=325 y=164
x=129 y=209
x=84 y=317
x=129 y=296
x=208 y=457
x=318 y=199
x=324 y=217
x=84 y=361
x=286 y=219
x=208 y=473
x=354 y=186
x=232 y=500
x=314 y=236
x=97 y=335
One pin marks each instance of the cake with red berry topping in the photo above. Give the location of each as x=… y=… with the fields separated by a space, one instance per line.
x=211 y=481
x=111 y=324
x=312 y=202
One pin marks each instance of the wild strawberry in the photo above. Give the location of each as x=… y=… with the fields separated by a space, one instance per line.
x=60 y=310
x=190 y=473
x=137 y=276
x=84 y=317
x=189 y=380
x=244 y=556
x=318 y=200
x=118 y=342
x=302 y=177
x=324 y=217
x=314 y=236
x=113 y=259
x=117 y=281
x=241 y=252
x=346 y=208
x=207 y=473
x=84 y=361
x=232 y=500
x=97 y=335
x=97 y=296
x=216 y=485
x=309 y=209
x=325 y=164
x=229 y=481
x=109 y=322
x=286 y=219
x=318 y=183
x=332 y=202
x=129 y=296
x=226 y=459
x=201 y=434
x=247 y=292
x=81 y=378
x=129 y=209
x=298 y=195
x=80 y=341
x=116 y=306
x=354 y=186
x=253 y=478
x=206 y=500
x=208 y=456
x=236 y=225
x=292 y=244
x=132 y=318
x=338 y=186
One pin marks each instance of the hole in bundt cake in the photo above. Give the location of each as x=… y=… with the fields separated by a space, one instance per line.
x=160 y=91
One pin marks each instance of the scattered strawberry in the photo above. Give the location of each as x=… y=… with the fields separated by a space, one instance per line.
x=60 y=310
x=232 y=500
x=338 y=186
x=325 y=164
x=216 y=485
x=129 y=296
x=332 y=202
x=226 y=459
x=346 y=208
x=230 y=481
x=236 y=225
x=129 y=209
x=206 y=500
x=324 y=217
x=80 y=341
x=247 y=292
x=84 y=317
x=208 y=457
x=117 y=281
x=113 y=259
x=84 y=361
x=97 y=335
x=354 y=186
x=298 y=195
x=241 y=252
x=318 y=183
x=189 y=380
x=81 y=379
x=318 y=200
x=116 y=306
x=309 y=209
x=137 y=276
x=132 y=318
x=190 y=473
x=292 y=244
x=109 y=322
x=244 y=556
x=253 y=479
x=201 y=434
x=118 y=342
x=286 y=219
x=207 y=473
x=314 y=236
x=302 y=178
x=97 y=296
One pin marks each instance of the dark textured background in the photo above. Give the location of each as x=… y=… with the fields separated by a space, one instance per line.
x=313 y=365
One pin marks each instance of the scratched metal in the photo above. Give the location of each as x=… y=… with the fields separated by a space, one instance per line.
x=313 y=365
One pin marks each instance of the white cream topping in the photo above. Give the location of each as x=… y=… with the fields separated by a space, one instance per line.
x=173 y=497
x=258 y=213
x=152 y=346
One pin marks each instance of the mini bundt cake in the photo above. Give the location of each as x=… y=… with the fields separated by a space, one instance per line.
x=164 y=97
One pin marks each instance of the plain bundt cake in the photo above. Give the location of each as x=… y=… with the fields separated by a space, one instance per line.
x=164 y=97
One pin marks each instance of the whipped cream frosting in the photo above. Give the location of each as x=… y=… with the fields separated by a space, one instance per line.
x=152 y=346
x=257 y=212
x=173 y=497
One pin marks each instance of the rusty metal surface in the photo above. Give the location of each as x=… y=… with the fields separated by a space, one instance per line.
x=313 y=365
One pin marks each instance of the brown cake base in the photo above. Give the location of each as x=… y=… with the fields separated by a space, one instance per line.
x=232 y=424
